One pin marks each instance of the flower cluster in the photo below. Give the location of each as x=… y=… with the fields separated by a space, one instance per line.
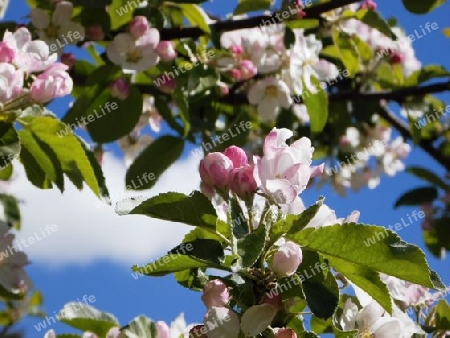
x=27 y=69
x=357 y=170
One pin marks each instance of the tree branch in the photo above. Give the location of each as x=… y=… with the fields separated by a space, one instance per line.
x=426 y=145
x=256 y=21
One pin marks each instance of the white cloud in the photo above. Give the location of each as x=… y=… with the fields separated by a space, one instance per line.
x=89 y=230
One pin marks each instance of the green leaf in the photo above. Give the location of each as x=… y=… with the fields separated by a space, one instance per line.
x=317 y=105
x=195 y=210
x=108 y=119
x=11 y=211
x=442 y=315
x=389 y=254
x=193 y=279
x=169 y=264
x=367 y=279
x=41 y=168
x=428 y=176
x=239 y=222
x=322 y=298
x=153 y=161
x=374 y=20
x=289 y=37
x=363 y=48
x=294 y=223
x=67 y=149
x=422 y=7
x=252 y=245
x=437 y=239
x=206 y=249
x=347 y=51
x=120 y=12
x=196 y=16
x=428 y=72
x=140 y=327
x=246 y=6
x=417 y=196
x=9 y=144
x=86 y=318
x=303 y=23
x=6 y=172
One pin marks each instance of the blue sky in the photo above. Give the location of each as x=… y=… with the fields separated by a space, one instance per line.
x=88 y=270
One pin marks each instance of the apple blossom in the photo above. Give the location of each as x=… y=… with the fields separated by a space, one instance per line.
x=237 y=156
x=6 y=53
x=162 y=329
x=221 y=322
x=287 y=259
x=138 y=26
x=120 y=88
x=242 y=181
x=247 y=69
x=215 y=293
x=29 y=56
x=11 y=82
x=257 y=318
x=166 y=51
x=286 y=333
x=269 y=94
x=54 y=82
x=284 y=171
x=273 y=299
x=58 y=30
x=134 y=54
x=215 y=169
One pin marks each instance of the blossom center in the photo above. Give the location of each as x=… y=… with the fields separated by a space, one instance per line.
x=134 y=56
x=271 y=91
x=366 y=334
x=52 y=31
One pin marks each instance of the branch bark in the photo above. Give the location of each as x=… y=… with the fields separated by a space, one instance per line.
x=256 y=21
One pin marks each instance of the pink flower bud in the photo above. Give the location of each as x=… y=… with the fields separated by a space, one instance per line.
x=248 y=69
x=215 y=293
x=6 y=53
x=162 y=329
x=215 y=169
x=95 y=32
x=52 y=83
x=274 y=300
x=242 y=181
x=169 y=86
x=166 y=51
x=68 y=59
x=222 y=89
x=257 y=318
x=236 y=155
x=207 y=190
x=235 y=74
x=120 y=89
x=287 y=259
x=286 y=333
x=236 y=49
x=397 y=57
x=370 y=5
x=138 y=26
x=221 y=322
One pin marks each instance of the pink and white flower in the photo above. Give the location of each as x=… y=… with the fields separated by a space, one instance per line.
x=11 y=82
x=134 y=54
x=269 y=95
x=52 y=83
x=284 y=171
x=59 y=29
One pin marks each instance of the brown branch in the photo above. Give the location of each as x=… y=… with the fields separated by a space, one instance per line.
x=256 y=21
